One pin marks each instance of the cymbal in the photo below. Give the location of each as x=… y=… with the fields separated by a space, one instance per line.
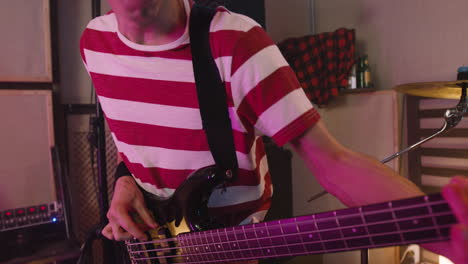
x=445 y=90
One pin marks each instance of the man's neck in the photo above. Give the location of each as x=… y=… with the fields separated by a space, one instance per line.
x=159 y=23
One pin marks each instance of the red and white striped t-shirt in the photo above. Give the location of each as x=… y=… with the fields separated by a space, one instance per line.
x=149 y=98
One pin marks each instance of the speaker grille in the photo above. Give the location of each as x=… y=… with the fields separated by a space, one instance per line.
x=83 y=173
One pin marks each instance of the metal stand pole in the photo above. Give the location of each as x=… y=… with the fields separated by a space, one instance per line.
x=107 y=245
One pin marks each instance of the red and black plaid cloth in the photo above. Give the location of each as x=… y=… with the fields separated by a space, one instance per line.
x=322 y=62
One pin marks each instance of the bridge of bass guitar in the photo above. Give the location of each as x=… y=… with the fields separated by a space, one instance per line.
x=161 y=248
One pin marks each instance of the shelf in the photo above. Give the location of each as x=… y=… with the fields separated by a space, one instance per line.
x=357 y=90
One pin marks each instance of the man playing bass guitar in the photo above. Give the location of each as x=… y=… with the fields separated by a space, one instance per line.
x=139 y=59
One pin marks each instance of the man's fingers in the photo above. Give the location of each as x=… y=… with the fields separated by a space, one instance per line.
x=146 y=217
x=456 y=194
x=132 y=228
x=459 y=235
x=107 y=232
x=119 y=233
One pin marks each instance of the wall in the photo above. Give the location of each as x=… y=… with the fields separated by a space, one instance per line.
x=75 y=84
x=407 y=41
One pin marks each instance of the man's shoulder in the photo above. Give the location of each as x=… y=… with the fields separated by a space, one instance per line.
x=98 y=26
x=232 y=21
x=105 y=23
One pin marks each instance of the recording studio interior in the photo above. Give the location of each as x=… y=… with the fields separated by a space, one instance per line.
x=388 y=79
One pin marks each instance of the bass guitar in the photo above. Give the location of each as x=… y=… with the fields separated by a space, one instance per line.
x=188 y=234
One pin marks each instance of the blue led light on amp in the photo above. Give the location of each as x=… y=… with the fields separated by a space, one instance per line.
x=54 y=219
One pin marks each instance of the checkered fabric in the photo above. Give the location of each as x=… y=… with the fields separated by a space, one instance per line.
x=322 y=62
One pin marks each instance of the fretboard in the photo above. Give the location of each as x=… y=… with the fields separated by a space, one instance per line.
x=415 y=220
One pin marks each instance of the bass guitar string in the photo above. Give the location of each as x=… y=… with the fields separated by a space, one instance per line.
x=318 y=221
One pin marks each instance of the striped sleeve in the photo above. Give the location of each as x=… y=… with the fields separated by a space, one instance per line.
x=265 y=90
x=82 y=45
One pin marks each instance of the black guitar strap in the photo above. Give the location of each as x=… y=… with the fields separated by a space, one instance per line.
x=211 y=93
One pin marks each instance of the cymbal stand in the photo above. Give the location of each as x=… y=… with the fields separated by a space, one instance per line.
x=452 y=118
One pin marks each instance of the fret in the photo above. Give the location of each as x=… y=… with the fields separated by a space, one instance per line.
x=234 y=245
x=336 y=235
x=302 y=242
x=249 y=231
x=276 y=236
x=183 y=248
x=306 y=224
x=261 y=230
x=231 y=234
x=431 y=213
x=258 y=250
x=390 y=204
x=268 y=246
x=275 y=232
x=316 y=228
x=212 y=245
x=198 y=247
x=252 y=240
x=239 y=233
x=285 y=241
x=218 y=245
x=226 y=244
x=289 y=228
x=216 y=237
x=193 y=248
x=341 y=229
x=361 y=213
x=206 y=245
x=209 y=237
x=244 y=244
x=187 y=249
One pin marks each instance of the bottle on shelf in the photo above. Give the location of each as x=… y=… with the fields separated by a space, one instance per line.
x=352 y=81
x=365 y=73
